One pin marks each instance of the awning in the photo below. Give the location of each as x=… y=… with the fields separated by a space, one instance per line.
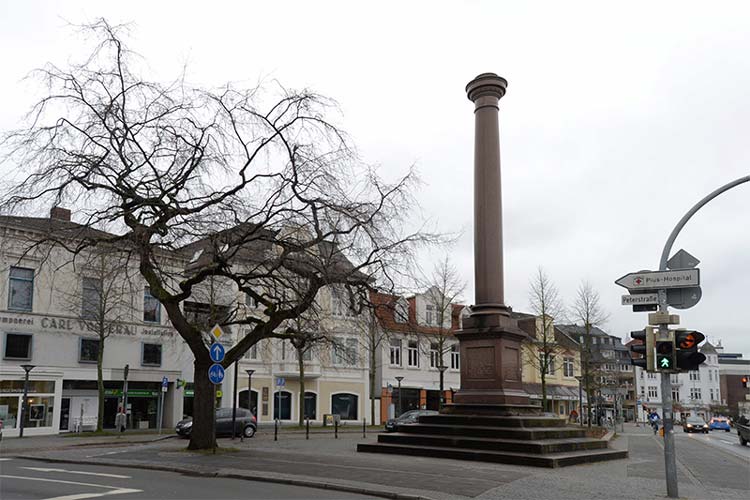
x=555 y=392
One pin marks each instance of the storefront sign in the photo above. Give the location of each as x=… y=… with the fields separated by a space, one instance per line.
x=132 y=393
x=59 y=324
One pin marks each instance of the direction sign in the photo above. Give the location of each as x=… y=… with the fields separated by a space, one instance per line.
x=217 y=352
x=280 y=382
x=216 y=374
x=216 y=332
x=654 y=280
x=640 y=299
x=684 y=298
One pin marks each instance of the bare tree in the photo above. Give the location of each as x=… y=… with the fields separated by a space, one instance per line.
x=587 y=311
x=255 y=187
x=101 y=302
x=542 y=348
x=445 y=289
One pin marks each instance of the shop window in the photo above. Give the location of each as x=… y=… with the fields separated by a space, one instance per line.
x=91 y=289
x=21 y=289
x=88 y=350
x=311 y=400
x=39 y=412
x=282 y=405
x=17 y=346
x=151 y=355
x=151 y=307
x=345 y=405
x=9 y=411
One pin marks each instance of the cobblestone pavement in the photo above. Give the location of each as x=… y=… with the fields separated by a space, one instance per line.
x=705 y=471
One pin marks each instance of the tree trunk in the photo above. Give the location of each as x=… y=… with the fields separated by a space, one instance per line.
x=202 y=436
x=100 y=385
x=301 y=362
x=544 y=388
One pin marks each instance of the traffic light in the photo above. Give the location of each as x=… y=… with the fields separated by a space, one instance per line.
x=643 y=350
x=686 y=343
x=665 y=354
x=744 y=381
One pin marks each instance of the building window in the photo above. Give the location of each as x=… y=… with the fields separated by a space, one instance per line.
x=643 y=391
x=434 y=355
x=430 y=317
x=549 y=366
x=695 y=375
x=695 y=393
x=402 y=311
x=711 y=393
x=306 y=354
x=455 y=357
x=341 y=304
x=345 y=353
x=151 y=355
x=568 y=367
x=345 y=405
x=395 y=352
x=252 y=353
x=91 y=293
x=675 y=395
x=250 y=301
x=351 y=351
x=21 y=295
x=710 y=377
x=413 y=354
x=151 y=307
x=652 y=391
x=17 y=346
x=88 y=350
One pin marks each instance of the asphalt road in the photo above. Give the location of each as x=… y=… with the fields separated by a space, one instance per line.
x=22 y=479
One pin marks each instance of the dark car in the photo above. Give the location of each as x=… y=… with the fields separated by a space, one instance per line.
x=246 y=423
x=695 y=424
x=408 y=417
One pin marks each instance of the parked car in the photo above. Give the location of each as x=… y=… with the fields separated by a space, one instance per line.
x=408 y=417
x=1 y=430
x=743 y=431
x=695 y=424
x=245 y=424
x=719 y=423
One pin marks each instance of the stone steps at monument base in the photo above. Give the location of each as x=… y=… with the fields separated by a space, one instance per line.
x=543 y=447
x=505 y=457
x=493 y=420
x=533 y=433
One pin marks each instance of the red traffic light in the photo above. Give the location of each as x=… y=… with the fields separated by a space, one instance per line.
x=689 y=340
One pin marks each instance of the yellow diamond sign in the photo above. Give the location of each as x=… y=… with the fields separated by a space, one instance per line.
x=216 y=332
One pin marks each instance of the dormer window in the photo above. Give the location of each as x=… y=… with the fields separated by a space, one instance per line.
x=402 y=311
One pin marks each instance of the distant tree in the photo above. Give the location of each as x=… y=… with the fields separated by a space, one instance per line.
x=542 y=348
x=587 y=311
x=102 y=301
x=254 y=187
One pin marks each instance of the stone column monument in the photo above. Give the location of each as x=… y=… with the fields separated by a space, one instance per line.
x=490 y=340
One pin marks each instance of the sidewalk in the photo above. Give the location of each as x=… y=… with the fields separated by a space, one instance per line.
x=326 y=462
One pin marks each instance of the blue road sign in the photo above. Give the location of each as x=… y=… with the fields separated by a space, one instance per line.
x=280 y=382
x=164 y=382
x=217 y=352
x=216 y=374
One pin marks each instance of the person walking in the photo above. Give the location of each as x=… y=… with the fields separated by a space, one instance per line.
x=121 y=419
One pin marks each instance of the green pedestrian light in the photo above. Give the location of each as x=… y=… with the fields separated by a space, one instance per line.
x=665 y=363
x=665 y=354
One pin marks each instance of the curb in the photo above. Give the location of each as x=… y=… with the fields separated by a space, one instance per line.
x=229 y=475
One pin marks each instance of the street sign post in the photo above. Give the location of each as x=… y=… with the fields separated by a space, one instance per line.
x=280 y=381
x=164 y=384
x=655 y=280
x=160 y=413
x=640 y=299
x=216 y=374
x=217 y=352
x=682 y=260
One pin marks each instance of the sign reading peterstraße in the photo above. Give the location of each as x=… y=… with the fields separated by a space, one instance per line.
x=654 y=280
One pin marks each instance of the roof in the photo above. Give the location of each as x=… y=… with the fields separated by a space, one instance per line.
x=385 y=312
x=54 y=227
x=580 y=330
x=707 y=348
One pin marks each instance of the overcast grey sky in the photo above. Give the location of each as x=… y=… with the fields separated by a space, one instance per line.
x=618 y=117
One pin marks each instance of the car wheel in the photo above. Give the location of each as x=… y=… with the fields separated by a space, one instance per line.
x=743 y=441
x=727 y=430
x=248 y=431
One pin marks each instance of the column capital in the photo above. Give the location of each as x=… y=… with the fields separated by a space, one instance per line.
x=486 y=84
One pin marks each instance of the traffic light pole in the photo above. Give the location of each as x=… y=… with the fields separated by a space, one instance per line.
x=666 y=385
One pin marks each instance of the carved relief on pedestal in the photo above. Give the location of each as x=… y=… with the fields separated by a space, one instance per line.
x=511 y=364
x=480 y=363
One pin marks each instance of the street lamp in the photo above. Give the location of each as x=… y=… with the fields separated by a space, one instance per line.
x=249 y=390
x=399 y=378
x=442 y=369
x=579 y=378
x=24 y=403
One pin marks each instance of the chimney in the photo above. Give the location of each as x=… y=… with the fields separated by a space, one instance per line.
x=59 y=213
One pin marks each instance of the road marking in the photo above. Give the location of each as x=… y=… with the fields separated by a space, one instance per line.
x=42 y=469
x=5 y=459
x=114 y=490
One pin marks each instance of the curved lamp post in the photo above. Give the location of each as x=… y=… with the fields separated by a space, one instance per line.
x=249 y=390
x=399 y=379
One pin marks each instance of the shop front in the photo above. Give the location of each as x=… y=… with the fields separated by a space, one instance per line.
x=40 y=415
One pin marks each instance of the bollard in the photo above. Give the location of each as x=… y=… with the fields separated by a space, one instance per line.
x=364 y=427
x=276 y=430
x=307 y=429
x=335 y=428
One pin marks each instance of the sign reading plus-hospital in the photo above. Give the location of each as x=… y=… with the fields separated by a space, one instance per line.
x=653 y=280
